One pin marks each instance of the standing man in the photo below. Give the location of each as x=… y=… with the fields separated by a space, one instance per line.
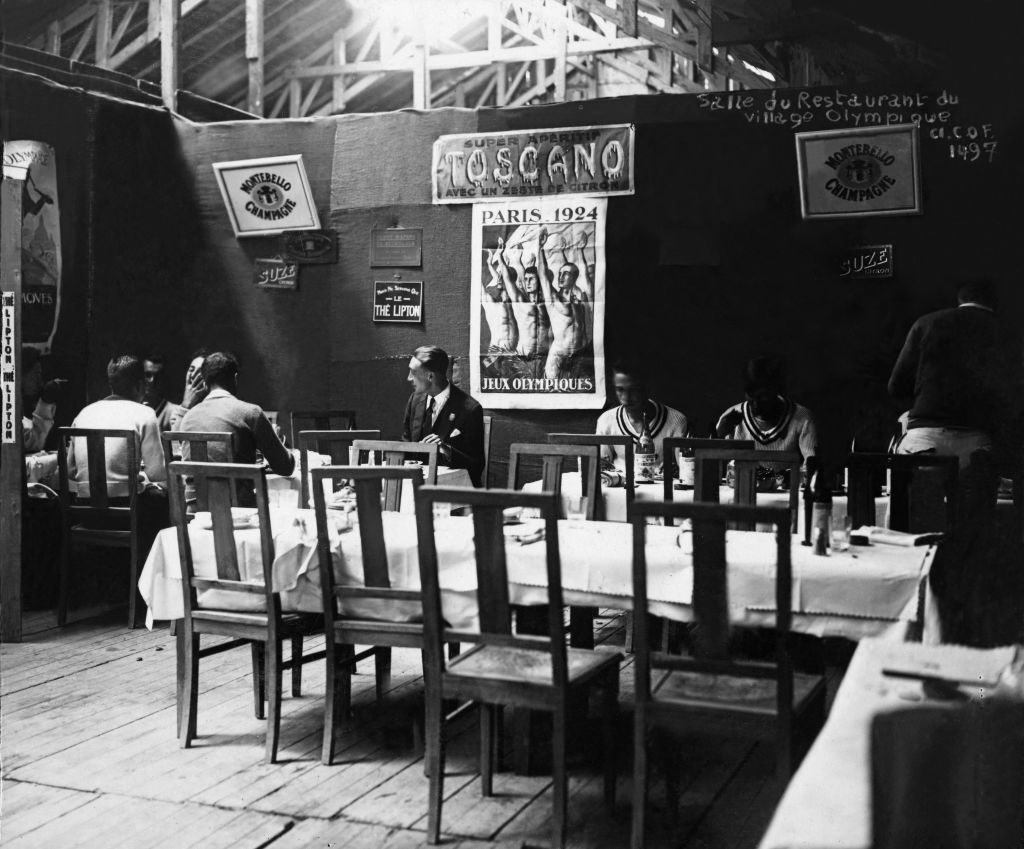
x=570 y=307
x=440 y=412
x=222 y=411
x=629 y=380
x=960 y=377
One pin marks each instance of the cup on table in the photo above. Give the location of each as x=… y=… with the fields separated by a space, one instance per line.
x=840 y=534
x=576 y=510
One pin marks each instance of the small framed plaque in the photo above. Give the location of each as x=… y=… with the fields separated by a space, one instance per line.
x=267 y=197
x=396 y=247
x=398 y=300
x=311 y=247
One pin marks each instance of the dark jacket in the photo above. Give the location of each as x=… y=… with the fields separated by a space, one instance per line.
x=958 y=370
x=461 y=413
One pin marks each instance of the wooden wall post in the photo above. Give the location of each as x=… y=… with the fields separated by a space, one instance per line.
x=12 y=462
x=254 y=53
x=170 y=18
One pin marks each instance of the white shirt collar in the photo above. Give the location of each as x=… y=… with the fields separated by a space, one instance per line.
x=440 y=399
x=976 y=304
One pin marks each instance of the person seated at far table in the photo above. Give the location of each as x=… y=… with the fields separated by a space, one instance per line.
x=36 y=429
x=438 y=411
x=195 y=389
x=156 y=391
x=769 y=418
x=123 y=410
x=635 y=406
x=222 y=411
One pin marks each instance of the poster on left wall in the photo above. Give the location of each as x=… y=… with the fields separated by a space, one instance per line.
x=537 y=304
x=40 y=241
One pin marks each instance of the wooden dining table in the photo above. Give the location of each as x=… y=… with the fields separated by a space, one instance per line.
x=827 y=804
x=866 y=591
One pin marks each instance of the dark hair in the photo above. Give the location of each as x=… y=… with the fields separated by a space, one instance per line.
x=124 y=374
x=634 y=368
x=220 y=369
x=200 y=352
x=433 y=359
x=765 y=372
x=979 y=291
x=155 y=359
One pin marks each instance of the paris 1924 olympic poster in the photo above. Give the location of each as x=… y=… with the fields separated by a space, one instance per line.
x=537 y=304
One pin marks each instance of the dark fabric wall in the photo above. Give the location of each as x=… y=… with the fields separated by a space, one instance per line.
x=707 y=264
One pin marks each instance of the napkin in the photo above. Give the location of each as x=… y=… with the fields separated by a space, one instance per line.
x=612 y=477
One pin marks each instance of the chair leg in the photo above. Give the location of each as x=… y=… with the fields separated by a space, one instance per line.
x=559 y=778
x=273 y=667
x=297 y=665
x=330 y=703
x=133 y=583
x=434 y=744
x=611 y=709
x=639 y=777
x=486 y=749
x=259 y=684
x=188 y=686
x=382 y=662
x=64 y=580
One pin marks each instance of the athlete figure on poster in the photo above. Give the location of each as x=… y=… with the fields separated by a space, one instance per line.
x=536 y=326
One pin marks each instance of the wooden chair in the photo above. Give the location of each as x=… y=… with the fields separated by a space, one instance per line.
x=505 y=668
x=343 y=631
x=948 y=775
x=487 y=451
x=745 y=463
x=92 y=520
x=395 y=453
x=552 y=457
x=301 y=420
x=625 y=443
x=711 y=691
x=199 y=444
x=334 y=443
x=263 y=631
x=914 y=501
x=581 y=619
x=710 y=482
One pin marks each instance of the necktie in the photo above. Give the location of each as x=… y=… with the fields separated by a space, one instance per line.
x=428 y=419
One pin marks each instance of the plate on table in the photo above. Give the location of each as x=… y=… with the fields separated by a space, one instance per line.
x=241 y=517
x=513 y=516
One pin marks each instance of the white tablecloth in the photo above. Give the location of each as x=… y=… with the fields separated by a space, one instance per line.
x=828 y=801
x=615 y=499
x=285 y=491
x=866 y=591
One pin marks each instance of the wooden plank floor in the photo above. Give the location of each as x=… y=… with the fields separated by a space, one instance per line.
x=90 y=759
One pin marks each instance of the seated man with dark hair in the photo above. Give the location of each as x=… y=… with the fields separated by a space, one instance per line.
x=635 y=409
x=767 y=416
x=438 y=411
x=222 y=411
x=123 y=410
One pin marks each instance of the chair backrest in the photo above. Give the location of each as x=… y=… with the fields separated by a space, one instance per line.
x=495 y=615
x=710 y=591
x=551 y=457
x=301 y=420
x=220 y=480
x=865 y=477
x=366 y=480
x=625 y=443
x=395 y=453
x=923 y=492
x=93 y=443
x=487 y=451
x=948 y=775
x=334 y=443
x=199 y=444
x=705 y=487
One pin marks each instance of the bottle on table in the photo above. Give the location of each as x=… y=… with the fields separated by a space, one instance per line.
x=644 y=457
x=821 y=516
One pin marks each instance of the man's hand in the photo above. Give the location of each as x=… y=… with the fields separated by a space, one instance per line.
x=195 y=390
x=431 y=437
x=443 y=449
x=542 y=236
x=52 y=390
x=583 y=240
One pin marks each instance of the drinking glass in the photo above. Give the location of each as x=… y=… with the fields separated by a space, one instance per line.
x=841 y=533
x=576 y=510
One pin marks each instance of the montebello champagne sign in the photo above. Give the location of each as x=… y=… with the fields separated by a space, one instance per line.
x=594 y=161
x=267 y=197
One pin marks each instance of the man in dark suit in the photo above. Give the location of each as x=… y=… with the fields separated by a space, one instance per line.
x=438 y=411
